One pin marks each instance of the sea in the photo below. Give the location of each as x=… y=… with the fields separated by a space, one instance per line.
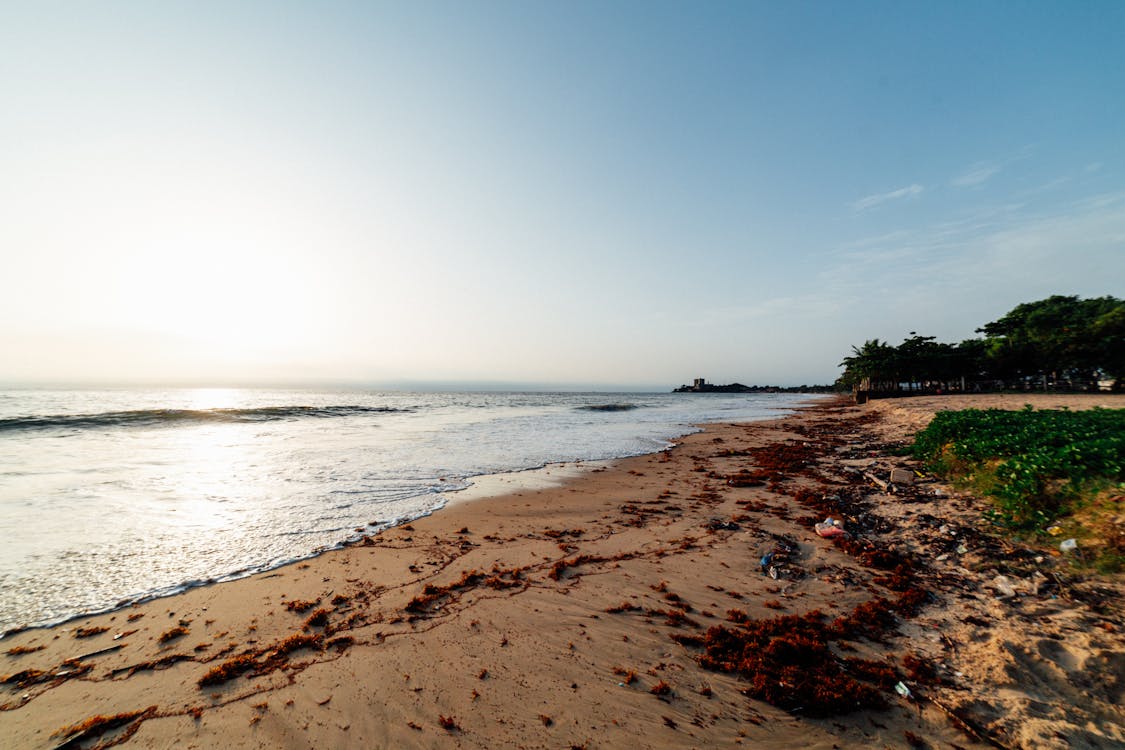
x=113 y=496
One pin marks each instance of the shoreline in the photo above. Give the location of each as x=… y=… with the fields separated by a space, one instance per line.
x=490 y=485
x=531 y=601
x=478 y=486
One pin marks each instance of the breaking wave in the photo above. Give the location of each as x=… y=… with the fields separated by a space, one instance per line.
x=609 y=407
x=158 y=417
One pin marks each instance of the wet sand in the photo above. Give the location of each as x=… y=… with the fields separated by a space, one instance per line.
x=608 y=610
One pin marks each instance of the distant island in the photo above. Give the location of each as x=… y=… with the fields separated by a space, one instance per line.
x=700 y=385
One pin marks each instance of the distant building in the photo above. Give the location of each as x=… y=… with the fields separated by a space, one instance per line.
x=700 y=385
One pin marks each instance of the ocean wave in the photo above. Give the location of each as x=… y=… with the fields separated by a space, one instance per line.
x=158 y=417
x=608 y=407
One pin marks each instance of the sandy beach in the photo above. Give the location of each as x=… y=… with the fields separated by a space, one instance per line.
x=633 y=604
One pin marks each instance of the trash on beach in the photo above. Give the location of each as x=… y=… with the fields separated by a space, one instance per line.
x=1068 y=545
x=903 y=690
x=1054 y=529
x=830 y=528
x=902 y=476
x=876 y=481
x=776 y=563
x=1003 y=587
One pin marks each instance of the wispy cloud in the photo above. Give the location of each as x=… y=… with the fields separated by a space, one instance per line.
x=977 y=174
x=947 y=277
x=812 y=306
x=871 y=201
x=1071 y=248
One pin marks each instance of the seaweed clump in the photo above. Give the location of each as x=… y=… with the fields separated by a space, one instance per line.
x=788 y=663
x=95 y=726
x=170 y=635
x=433 y=594
x=276 y=657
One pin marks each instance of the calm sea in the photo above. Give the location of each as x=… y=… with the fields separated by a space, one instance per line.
x=112 y=496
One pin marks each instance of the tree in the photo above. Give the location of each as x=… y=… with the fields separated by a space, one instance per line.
x=873 y=362
x=1060 y=337
x=1064 y=337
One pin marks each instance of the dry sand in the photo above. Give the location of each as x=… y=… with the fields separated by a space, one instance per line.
x=563 y=639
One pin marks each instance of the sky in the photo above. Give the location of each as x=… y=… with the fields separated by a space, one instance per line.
x=575 y=194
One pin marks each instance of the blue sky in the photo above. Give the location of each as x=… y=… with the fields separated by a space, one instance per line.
x=570 y=193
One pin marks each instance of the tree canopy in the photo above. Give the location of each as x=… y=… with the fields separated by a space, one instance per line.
x=1061 y=339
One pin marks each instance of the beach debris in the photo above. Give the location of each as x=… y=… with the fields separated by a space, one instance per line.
x=777 y=562
x=875 y=480
x=1034 y=583
x=317 y=619
x=902 y=476
x=628 y=676
x=1054 y=529
x=99 y=652
x=1003 y=586
x=169 y=635
x=831 y=528
x=95 y=726
x=718 y=524
x=903 y=690
x=1068 y=545
x=788 y=663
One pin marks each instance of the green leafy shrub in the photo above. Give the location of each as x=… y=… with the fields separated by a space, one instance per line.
x=1032 y=462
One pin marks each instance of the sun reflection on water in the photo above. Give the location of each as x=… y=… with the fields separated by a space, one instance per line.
x=214 y=398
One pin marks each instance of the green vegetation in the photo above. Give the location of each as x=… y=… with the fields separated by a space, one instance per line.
x=1037 y=466
x=1067 y=341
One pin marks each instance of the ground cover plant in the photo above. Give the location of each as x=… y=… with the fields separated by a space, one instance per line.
x=1037 y=466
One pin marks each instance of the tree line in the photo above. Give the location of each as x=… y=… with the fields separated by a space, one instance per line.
x=1057 y=342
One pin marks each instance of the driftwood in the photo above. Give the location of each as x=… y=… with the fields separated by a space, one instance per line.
x=99 y=652
x=967 y=725
x=880 y=483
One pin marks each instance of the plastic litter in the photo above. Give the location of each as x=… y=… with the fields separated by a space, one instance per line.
x=1054 y=530
x=902 y=476
x=830 y=528
x=775 y=563
x=1003 y=587
x=903 y=690
x=1069 y=545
